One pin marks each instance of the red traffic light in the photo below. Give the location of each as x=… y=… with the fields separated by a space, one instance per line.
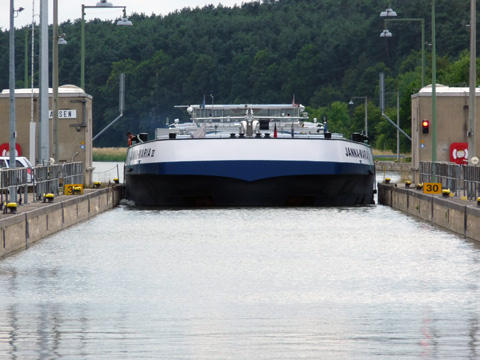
x=425 y=126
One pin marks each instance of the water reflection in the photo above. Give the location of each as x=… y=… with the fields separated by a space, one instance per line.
x=337 y=283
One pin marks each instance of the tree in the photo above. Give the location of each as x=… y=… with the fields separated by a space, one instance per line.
x=258 y=52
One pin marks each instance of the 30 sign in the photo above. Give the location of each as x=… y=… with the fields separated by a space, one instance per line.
x=73 y=189
x=432 y=188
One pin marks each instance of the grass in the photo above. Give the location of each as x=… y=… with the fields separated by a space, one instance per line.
x=389 y=156
x=109 y=154
x=377 y=152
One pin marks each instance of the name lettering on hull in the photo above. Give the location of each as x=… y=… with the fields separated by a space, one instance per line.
x=143 y=153
x=358 y=153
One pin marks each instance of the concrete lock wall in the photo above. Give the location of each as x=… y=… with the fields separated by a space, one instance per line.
x=19 y=231
x=74 y=126
x=458 y=216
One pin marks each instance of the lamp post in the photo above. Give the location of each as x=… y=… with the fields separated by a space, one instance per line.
x=55 y=79
x=434 y=89
x=390 y=15
x=43 y=86
x=398 y=126
x=366 y=110
x=12 y=120
x=386 y=33
x=56 y=40
x=25 y=76
x=101 y=4
x=397 y=94
x=473 y=81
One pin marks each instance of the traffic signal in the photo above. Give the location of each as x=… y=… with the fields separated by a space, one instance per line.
x=425 y=126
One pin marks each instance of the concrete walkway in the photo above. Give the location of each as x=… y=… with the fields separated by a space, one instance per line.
x=37 y=220
x=41 y=204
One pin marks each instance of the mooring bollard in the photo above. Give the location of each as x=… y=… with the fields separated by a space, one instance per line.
x=12 y=206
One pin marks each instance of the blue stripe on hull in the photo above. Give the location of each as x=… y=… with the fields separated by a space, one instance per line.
x=251 y=170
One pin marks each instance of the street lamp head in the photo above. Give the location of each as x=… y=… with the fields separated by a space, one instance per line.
x=388 y=13
x=124 y=22
x=62 y=41
x=386 y=33
x=351 y=102
x=104 y=3
x=17 y=11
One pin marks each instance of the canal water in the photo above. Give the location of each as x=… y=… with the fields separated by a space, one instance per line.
x=263 y=283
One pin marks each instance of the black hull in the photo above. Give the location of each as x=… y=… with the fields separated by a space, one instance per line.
x=192 y=191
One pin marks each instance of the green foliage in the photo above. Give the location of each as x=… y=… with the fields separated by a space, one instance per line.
x=457 y=73
x=321 y=52
x=337 y=118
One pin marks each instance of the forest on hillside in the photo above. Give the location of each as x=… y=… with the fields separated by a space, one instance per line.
x=322 y=52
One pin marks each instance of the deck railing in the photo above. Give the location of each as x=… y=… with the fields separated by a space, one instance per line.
x=462 y=180
x=31 y=184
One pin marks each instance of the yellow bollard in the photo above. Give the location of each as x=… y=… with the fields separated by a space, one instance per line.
x=12 y=206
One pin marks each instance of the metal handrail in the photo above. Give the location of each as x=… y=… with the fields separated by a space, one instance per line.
x=462 y=180
x=38 y=180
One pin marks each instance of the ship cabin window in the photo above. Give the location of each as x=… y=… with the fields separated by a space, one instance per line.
x=264 y=124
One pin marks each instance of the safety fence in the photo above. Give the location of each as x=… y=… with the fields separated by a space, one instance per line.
x=462 y=180
x=31 y=184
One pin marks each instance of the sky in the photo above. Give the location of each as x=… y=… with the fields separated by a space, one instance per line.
x=72 y=9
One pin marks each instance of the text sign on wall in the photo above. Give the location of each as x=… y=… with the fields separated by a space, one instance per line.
x=432 y=188
x=64 y=114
